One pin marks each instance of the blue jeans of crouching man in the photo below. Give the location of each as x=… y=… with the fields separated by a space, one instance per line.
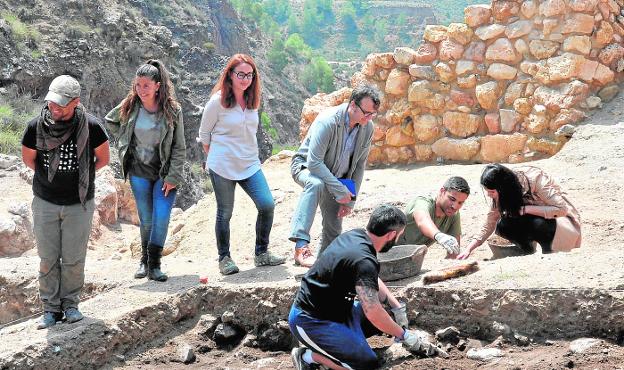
x=315 y=194
x=258 y=190
x=342 y=342
x=62 y=233
x=154 y=209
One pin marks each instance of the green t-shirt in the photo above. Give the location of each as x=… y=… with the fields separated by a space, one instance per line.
x=412 y=235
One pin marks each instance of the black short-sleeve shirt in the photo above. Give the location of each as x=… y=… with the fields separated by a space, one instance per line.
x=328 y=289
x=63 y=190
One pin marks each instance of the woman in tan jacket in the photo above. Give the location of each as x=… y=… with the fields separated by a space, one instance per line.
x=528 y=206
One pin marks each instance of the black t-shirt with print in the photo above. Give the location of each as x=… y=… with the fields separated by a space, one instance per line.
x=63 y=190
x=328 y=289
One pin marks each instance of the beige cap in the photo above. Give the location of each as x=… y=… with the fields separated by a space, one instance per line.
x=62 y=90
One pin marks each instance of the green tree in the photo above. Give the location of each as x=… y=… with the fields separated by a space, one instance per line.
x=296 y=46
x=279 y=10
x=350 y=28
x=310 y=25
x=277 y=56
x=360 y=6
x=380 y=32
x=318 y=76
x=293 y=24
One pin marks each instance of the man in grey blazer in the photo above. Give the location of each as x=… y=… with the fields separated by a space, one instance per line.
x=329 y=166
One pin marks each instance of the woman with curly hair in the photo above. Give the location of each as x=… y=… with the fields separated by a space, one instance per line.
x=528 y=206
x=149 y=129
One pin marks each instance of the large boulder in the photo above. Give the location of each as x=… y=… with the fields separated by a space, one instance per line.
x=396 y=137
x=426 y=53
x=16 y=235
x=462 y=124
x=499 y=71
x=398 y=82
x=502 y=50
x=477 y=15
x=460 y=32
x=450 y=50
x=435 y=33
x=106 y=196
x=457 y=150
x=426 y=127
x=566 y=96
x=498 y=148
x=405 y=56
x=579 y=23
x=561 y=68
x=490 y=31
x=488 y=94
x=542 y=49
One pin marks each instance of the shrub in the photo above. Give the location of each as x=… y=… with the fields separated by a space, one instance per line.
x=318 y=76
x=20 y=30
x=266 y=125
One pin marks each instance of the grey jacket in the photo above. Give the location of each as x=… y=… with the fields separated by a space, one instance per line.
x=320 y=151
x=172 y=147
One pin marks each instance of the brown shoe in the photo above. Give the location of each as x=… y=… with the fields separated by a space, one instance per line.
x=304 y=257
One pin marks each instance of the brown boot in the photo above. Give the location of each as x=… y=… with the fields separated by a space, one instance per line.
x=304 y=257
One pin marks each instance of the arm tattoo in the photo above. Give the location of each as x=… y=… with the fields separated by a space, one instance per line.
x=369 y=297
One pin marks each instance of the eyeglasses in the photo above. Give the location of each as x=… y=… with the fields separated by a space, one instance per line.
x=243 y=76
x=365 y=113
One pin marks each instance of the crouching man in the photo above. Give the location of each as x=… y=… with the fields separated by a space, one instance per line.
x=327 y=319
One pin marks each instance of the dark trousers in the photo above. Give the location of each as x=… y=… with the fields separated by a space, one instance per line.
x=523 y=231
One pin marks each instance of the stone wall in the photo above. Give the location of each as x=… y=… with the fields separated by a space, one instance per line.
x=497 y=88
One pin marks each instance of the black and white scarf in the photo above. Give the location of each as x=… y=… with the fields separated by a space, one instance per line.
x=52 y=134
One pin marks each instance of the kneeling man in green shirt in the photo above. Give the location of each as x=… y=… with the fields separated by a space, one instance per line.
x=435 y=217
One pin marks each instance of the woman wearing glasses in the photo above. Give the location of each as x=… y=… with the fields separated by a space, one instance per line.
x=228 y=135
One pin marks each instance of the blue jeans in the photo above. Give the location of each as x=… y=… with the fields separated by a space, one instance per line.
x=258 y=190
x=154 y=209
x=314 y=194
x=344 y=343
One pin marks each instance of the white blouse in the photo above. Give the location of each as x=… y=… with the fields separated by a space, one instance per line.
x=231 y=134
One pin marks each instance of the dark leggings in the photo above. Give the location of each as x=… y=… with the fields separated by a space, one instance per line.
x=526 y=229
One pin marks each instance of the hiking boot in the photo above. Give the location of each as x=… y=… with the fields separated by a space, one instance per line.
x=48 y=319
x=297 y=357
x=268 y=259
x=227 y=266
x=141 y=272
x=154 y=253
x=72 y=315
x=304 y=257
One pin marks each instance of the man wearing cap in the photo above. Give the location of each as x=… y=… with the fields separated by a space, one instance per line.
x=64 y=146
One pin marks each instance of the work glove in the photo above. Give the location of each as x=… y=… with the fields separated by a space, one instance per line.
x=400 y=315
x=421 y=346
x=448 y=242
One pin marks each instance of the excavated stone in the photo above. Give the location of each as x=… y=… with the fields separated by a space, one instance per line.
x=579 y=23
x=500 y=71
x=445 y=72
x=492 y=121
x=503 y=10
x=435 y=33
x=426 y=53
x=498 y=148
x=490 y=31
x=484 y=354
x=450 y=50
x=502 y=50
x=583 y=344
x=454 y=149
x=398 y=82
x=488 y=94
x=550 y=8
x=461 y=124
x=528 y=9
x=420 y=91
x=566 y=96
x=604 y=34
x=396 y=137
x=477 y=15
x=475 y=52
x=543 y=145
x=460 y=32
x=585 y=6
x=422 y=72
x=542 y=49
x=518 y=29
x=607 y=94
x=404 y=55
x=579 y=44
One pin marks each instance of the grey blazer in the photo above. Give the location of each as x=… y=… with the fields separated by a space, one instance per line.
x=320 y=151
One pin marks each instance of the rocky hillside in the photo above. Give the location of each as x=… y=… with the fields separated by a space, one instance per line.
x=102 y=43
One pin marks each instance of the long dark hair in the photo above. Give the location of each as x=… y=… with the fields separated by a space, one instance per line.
x=168 y=105
x=251 y=94
x=500 y=178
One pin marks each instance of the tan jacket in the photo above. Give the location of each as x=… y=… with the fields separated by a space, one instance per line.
x=541 y=190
